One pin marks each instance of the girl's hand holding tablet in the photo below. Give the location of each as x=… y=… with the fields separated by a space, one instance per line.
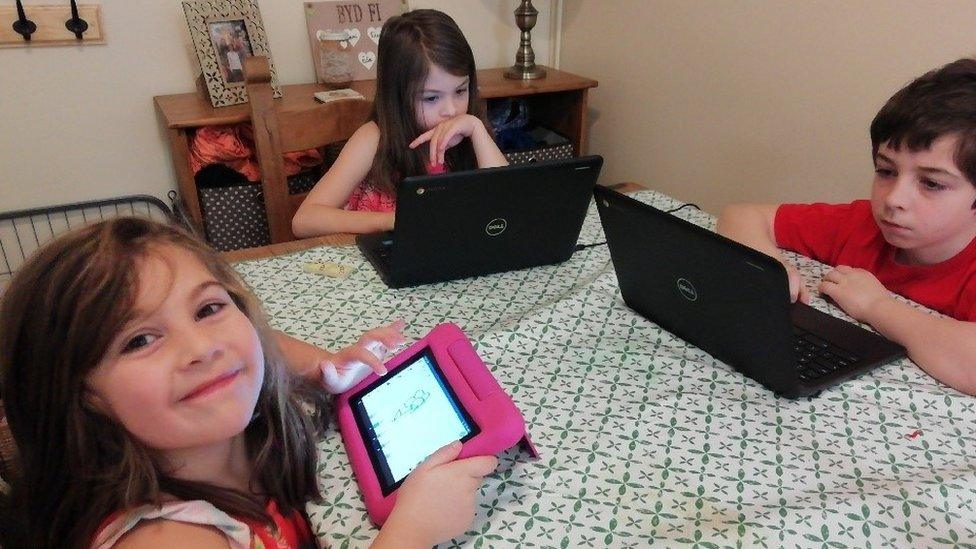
x=437 y=500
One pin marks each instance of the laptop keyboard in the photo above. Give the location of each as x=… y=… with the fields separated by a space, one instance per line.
x=817 y=358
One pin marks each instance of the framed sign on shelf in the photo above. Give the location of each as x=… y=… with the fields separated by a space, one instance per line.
x=224 y=32
x=360 y=21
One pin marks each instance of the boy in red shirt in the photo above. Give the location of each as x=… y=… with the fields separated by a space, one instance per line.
x=915 y=237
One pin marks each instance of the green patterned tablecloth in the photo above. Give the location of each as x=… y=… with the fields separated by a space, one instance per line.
x=645 y=439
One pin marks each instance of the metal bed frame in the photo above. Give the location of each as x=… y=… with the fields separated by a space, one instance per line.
x=22 y=232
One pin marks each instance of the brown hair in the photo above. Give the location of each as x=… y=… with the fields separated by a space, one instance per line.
x=409 y=44
x=940 y=102
x=75 y=465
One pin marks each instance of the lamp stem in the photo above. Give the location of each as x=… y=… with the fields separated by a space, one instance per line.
x=525 y=67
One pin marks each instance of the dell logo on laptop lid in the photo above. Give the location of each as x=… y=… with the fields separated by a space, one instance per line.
x=687 y=289
x=496 y=226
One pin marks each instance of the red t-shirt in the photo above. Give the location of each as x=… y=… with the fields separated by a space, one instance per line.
x=846 y=234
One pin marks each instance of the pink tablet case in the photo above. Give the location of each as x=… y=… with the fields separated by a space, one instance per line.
x=488 y=405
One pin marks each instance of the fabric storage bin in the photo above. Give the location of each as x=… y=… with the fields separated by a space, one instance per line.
x=549 y=145
x=234 y=216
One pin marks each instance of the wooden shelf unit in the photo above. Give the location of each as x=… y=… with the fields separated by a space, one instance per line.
x=558 y=101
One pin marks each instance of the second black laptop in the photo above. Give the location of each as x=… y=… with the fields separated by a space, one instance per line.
x=731 y=301
x=478 y=222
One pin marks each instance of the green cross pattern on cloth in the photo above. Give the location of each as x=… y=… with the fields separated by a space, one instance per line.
x=646 y=440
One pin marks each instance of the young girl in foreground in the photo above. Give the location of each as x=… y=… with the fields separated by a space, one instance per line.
x=151 y=405
x=426 y=119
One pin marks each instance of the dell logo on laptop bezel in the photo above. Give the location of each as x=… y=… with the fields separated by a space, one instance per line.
x=687 y=289
x=496 y=226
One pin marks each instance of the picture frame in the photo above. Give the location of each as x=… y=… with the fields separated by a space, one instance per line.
x=223 y=32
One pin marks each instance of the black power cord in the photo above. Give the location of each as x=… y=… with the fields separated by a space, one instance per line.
x=695 y=206
x=584 y=246
x=672 y=210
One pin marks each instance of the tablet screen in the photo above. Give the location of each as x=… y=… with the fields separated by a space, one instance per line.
x=407 y=416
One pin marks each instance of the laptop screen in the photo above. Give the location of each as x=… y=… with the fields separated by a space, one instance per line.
x=484 y=221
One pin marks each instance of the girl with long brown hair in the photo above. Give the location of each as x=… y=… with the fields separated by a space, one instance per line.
x=152 y=405
x=427 y=118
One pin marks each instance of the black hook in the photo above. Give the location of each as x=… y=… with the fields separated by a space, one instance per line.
x=76 y=24
x=23 y=26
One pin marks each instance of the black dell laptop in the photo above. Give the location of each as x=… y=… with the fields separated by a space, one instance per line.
x=731 y=301
x=477 y=222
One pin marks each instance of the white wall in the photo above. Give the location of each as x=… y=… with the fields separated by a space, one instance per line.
x=78 y=122
x=715 y=101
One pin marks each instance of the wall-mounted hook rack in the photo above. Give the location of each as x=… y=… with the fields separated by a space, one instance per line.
x=76 y=24
x=23 y=26
x=54 y=25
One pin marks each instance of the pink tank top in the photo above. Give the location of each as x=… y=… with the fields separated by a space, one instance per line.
x=367 y=198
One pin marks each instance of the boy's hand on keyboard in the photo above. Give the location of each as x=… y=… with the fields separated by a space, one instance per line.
x=798 y=287
x=856 y=291
x=347 y=367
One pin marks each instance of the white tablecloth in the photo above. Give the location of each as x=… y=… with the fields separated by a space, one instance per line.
x=644 y=438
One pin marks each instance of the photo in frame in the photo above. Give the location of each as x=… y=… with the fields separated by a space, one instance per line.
x=224 y=32
x=360 y=20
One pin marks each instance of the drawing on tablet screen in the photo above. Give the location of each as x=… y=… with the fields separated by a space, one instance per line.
x=418 y=399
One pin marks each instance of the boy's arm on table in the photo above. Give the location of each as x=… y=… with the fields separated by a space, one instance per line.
x=944 y=347
x=752 y=225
